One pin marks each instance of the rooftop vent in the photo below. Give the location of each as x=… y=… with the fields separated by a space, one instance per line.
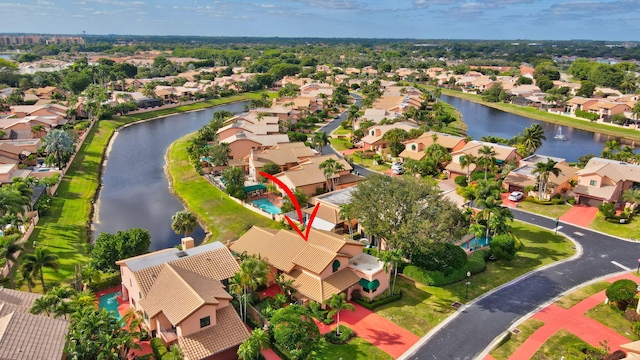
x=181 y=254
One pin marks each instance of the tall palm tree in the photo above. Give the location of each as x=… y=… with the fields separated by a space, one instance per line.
x=259 y=340
x=490 y=205
x=184 y=221
x=38 y=260
x=532 y=138
x=466 y=161
x=346 y=212
x=544 y=170
x=247 y=350
x=11 y=201
x=10 y=248
x=236 y=288
x=337 y=303
x=487 y=157
x=26 y=270
x=253 y=273
x=330 y=168
x=391 y=258
x=319 y=140
x=90 y=274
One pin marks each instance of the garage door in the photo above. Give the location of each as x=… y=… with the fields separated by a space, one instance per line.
x=589 y=201
x=513 y=188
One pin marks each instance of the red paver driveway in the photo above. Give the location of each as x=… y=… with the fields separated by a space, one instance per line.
x=580 y=215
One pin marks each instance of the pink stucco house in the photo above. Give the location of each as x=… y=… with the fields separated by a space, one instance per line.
x=183 y=298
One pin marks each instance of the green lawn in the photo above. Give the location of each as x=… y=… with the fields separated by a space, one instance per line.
x=506 y=349
x=65 y=228
x=630 y=230
x=341 y=131
x=368 y=163
x=557 y=346
x=222 y=217
x=339 y=144
x=356 y=349
x=423 y=307
x=612 y=318
x=576 y=296
x=553 y=211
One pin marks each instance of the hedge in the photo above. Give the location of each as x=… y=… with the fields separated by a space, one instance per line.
x=476 y=264
x=107 y=281
x=587 y=115
x=377 y=303
x=346 y=333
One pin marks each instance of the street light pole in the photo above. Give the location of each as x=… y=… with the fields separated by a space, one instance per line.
x=466 y=295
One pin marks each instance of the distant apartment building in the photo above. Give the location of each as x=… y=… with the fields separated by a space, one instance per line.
x=40 y=39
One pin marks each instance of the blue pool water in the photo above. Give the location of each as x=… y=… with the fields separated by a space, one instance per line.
x=477 y=243
x=267 y=206
x=109 y=302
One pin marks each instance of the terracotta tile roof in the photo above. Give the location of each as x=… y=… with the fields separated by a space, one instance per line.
x=604 y=192
x=329 y=240
x=278 y=249
x=32 y=337
x=472 y=147
x=338 y=282
x=524 y=175
x=228 y=332
x=326 y=213
x=613 y=169
x=177 y=293
x=314 y=258
x=305 y=284
x=380 y=130
x=283 y=154
x=217 y=264
x=457 y=168
x=308 y=171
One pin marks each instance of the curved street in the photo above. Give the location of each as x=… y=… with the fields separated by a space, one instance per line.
x=468 y=332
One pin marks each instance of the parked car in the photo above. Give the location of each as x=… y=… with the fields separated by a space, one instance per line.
x=516 y=196
x=397 y=168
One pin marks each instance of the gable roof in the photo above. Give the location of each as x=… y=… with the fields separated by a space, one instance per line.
x=613 y=169
x=371 y=139
x=31 y=337
x=178 y=293
x=308 y=172
x=472 y=147
x=282 y=154
x=16 y=301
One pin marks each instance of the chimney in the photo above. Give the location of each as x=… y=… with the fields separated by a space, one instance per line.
x=254 y=155
x=187 y=243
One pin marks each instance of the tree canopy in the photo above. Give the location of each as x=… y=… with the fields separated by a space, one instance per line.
x=110 y=248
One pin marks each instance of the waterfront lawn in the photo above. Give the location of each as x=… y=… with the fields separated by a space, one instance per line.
x=577 y=296
x=630 y=230
x=423 y=307
x=356 y=349
x=222 y=217
x=506 y=349
x=552 y=211
x=612 y=318
x=557 y=346
x=65 y=228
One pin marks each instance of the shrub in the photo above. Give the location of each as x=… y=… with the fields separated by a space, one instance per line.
x=632 y=316
x=475 y=265
x=503 y=247
x=607 y=209
x=571 y=200
x=346 y=334
x=557 y=201
x=622 y=292
x=443 y=257
x=587 y=115
x=460 y=180
x=535 y=200
x=377 y=302
x=295 y=331
x=636 y=327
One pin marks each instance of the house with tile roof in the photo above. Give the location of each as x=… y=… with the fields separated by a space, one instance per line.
x=523 y=176
x=376 y=116
x=183 y=298
x=54 y=110
x=374 y=140
x=608 y=108
x=309 y=178
x=328 y=216
x=24 y=336
x=325 y=265
x=578 y=103
x=286 y=155
x=243 y=142
x=605 y=180
x=503 y=153
x=415 y=149
x=45 y=92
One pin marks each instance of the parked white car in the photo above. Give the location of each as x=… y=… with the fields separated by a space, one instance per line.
x=397 y=168
x=516 y=196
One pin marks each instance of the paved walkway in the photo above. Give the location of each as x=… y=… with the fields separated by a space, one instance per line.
x=375 y=329
x=574 y=321
x=581 y=215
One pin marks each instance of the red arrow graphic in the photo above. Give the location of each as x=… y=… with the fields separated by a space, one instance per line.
x=295 y=203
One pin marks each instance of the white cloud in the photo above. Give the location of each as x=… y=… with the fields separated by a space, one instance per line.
x=44 y=2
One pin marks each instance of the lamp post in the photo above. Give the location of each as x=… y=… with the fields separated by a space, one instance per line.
x=556 y=229
x=466 y=295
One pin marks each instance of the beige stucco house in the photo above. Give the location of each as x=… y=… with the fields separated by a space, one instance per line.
x=414 y=149
x=325 y=265
x=285 y=155
x=604 y=180
x=374 y=140
x=523 y=176
x=503 y=153
x=183 y=299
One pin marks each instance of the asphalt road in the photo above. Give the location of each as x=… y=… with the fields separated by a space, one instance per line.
x=473 y=328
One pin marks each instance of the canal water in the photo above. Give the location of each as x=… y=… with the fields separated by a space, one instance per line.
x=482 y=120
x=135 y=192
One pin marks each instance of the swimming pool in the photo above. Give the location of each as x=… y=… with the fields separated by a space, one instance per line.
x=477 y=243
x=267 y=206
x=110 y=303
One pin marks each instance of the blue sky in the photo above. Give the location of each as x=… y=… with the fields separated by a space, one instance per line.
x=424 y=19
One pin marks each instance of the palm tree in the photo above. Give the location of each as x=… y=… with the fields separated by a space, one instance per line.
x=247 y=350
x=487 y=157
x=532 y=138
x=10 y=250
x=58 y=142
x=466 y=161
x=632 y=196
x=236 y=288
x=90 y=274
x=391 y=258
x=636 y=111
x=184 y=221
x=259 y=340
x=346 y=212
x=544 y=170
x=320 y=140
x=40 y=259
x=330 y=168
x=337 y=303
x=253 y=273
x=11 y=201
x=26 y=270
x=490 y=205
x=174 y=353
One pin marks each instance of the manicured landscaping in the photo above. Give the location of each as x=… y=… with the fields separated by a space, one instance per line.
x=423 y=307
x=629 y=230
x=576 y=296
x=612 y=318
x=341 y=131
x=65 y=228
x=339 y=144
x=354 y=349
x=557 y=346
x=506 y=349
x=368 y=163
x=553 y=211
x=222 y=217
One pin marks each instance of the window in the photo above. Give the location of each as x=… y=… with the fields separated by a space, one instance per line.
x=205 y=321
x=593 y=183
x=140 y=295
x=336 y=265
x=413 y=147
